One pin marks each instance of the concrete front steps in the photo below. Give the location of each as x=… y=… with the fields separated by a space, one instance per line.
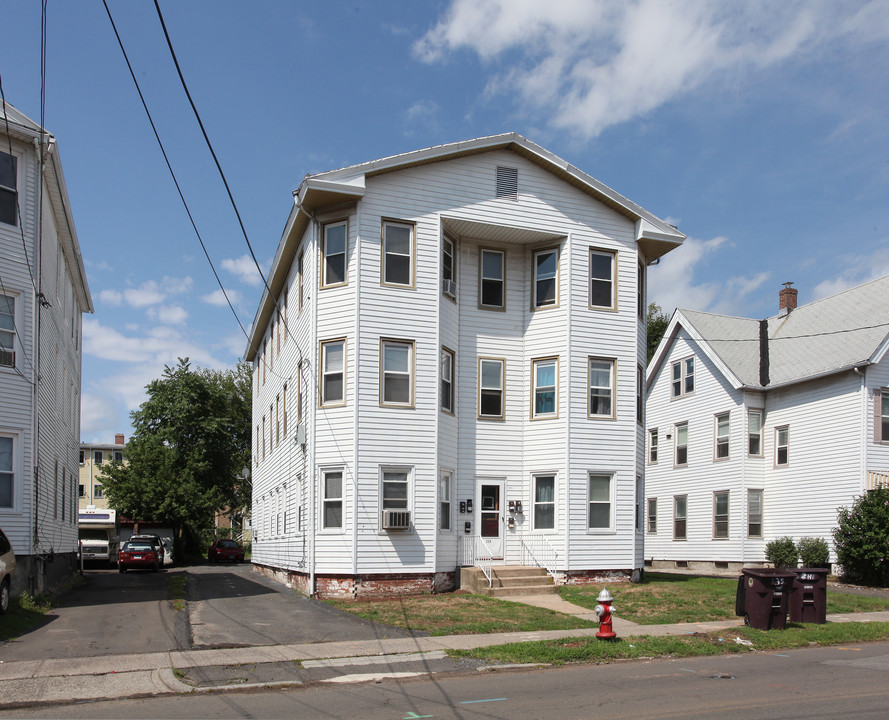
x=508 y=581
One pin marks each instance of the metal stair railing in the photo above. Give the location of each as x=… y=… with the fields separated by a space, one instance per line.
x=538 y=551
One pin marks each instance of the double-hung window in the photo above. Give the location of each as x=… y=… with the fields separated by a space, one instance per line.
x=601 y=388
x=333 y=372
x=492 y=280
x=546 y=278
x=444 y=500
x=754 y=433
x=754 y=513
x=7 y=472
x=8 y=189
x=602 y=279
x=599 y=514
x=680 y=510
x=681 y=457
x=652 y=515
x=7 y=331
x=332 y=499
x=333 y=265
x=398 y=254
x=683 y=377
x=545 y=372
x=652 y=445
x=544 y=502
x=782 y=445
x=98 y=457
x=447 y=380
x=396 y=387
x=301 y=274
x=881 y=413
x=720 y=515
x=395 y=488
x=448 y=268
x=721 y=448
x=490 y=387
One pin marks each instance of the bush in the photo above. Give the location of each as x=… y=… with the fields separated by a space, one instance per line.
x=814 y=552
x=861 y=538
x=782 y=552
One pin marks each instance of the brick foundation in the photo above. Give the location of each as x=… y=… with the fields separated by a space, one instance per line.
x=363 y=586
x=594 y=577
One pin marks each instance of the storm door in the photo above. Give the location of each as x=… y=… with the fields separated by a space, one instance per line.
x=492 y=518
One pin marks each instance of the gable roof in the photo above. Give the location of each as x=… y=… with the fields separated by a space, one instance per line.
x=654 y=236
x=847 y=330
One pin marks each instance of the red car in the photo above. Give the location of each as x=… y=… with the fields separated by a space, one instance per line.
x=138 y=554
x=225 y=551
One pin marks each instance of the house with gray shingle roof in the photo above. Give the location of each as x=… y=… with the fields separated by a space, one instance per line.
x=757 y=429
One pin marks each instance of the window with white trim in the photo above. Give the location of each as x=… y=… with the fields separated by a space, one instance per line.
x=601 y=388
x=640 y=384
x=490 y=387
x=652 y=515
x=545 y=401
x=720 y=515
x=448 y=268
x=333 y=253
x=8 y=189
x=544 y=502
x=652 y=446
x=447 y=380
x=444 y=500
x=333 y=372
x=300 y=278
x=492 y=279
x=599 y=500
x=98 y=492
x=602 y=264
x=881 y=414
x=640 y=291
x=98 y=457
x=681 y=455
x=395 y=486
x=7 y=331
x=546 y=278
x=398 y=254
x=683 y=377
x=332 y=499
x=397 y=365
x=754 y=433
x=721 y=438
x=680 y=513
x=754 y=513
x=782 y=445
x=7 y=471
x=640 y=490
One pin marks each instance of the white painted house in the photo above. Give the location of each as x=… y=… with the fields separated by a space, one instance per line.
x=759 y=429
x=448 y=366
x=43 y=293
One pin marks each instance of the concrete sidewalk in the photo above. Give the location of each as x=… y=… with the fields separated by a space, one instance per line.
x=28 y=683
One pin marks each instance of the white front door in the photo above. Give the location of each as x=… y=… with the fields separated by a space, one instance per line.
x=492 y=514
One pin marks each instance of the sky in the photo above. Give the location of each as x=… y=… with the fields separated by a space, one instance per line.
x=760 y=129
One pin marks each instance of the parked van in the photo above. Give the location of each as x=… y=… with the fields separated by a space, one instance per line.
x=97 y=535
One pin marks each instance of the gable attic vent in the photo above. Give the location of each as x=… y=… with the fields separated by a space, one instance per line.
x=508 y=182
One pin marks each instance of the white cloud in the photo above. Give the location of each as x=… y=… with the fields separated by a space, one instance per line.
x=111 y=297
x=97 y=415
x=217 y=297
x=859 y=269
x=169 y=314
x=157 y=346
x=148 y=293
x=423 y=113
x=588 y=64
x=244 y=268
x=672 y=285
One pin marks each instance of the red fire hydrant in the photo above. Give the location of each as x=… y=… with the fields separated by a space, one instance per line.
x=605 y=611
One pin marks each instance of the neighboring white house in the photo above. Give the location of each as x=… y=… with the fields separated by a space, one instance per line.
x=43 y=293
x=759 y=429
x=448 y=363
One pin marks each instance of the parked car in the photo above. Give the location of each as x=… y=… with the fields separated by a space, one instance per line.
x=138 y=554
x=225 y=551
x=7 y=569
x=155 y=541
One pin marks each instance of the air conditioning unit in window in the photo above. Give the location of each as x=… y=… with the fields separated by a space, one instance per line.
x=7 y=357
x=396 y=519
x=449 y=288
x=301 y=433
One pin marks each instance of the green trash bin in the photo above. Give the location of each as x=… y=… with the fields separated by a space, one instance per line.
x=808 y=598
x=766 y=593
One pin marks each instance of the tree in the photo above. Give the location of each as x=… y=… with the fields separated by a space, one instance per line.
x=861 y=538
x=656 y=321
x=190 y=440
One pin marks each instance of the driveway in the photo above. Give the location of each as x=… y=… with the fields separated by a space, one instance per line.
x=228 y=606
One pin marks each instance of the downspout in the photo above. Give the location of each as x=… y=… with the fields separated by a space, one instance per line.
x=310 y=465
x=36 y=320
x=356 y=315
x=863 y=434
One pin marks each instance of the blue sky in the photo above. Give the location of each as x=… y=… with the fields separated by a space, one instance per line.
x=761 y=129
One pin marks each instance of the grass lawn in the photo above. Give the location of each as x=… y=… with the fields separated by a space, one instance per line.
x=667 y=598
x=460 y=614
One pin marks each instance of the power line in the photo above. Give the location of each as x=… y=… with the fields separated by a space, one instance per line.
x=798 y=337
x=170 y=168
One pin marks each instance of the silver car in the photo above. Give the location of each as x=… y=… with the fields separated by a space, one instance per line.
x=7 y=569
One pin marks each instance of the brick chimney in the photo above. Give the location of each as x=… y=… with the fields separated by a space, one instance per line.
x=786 y=300
x=119 y=439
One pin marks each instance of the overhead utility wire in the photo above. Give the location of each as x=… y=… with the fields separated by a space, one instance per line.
x=798 y=337
x=172 y=174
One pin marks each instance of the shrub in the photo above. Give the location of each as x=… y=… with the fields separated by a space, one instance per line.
x=814 y=552
x=782 y=552
x=861 y=538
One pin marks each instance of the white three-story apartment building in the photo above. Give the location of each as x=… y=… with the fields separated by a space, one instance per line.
x=448 y=365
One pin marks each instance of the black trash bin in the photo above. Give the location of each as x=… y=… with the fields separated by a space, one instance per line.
x=808 y=598
x=764 y=593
